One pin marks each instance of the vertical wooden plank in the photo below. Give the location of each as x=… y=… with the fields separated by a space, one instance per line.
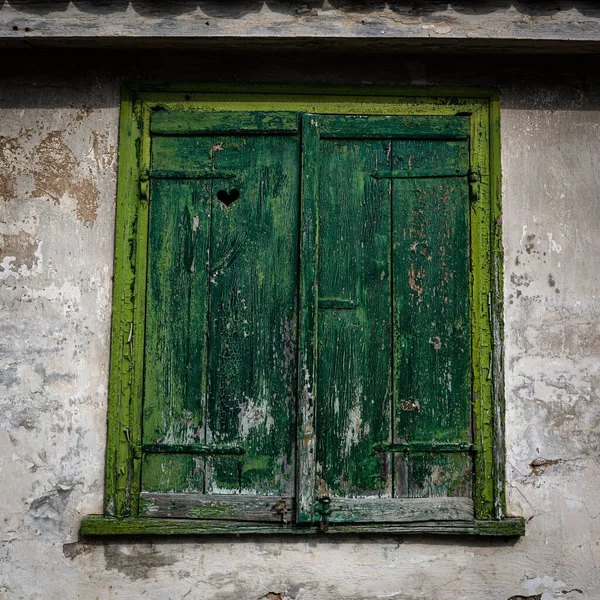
x=122 y=413
x=137 y=333
x=486 y=301
x=431 y=308
x=354 y=346
x=176 y=312
x=491 y=169
x=253 y=314
x=306 y=441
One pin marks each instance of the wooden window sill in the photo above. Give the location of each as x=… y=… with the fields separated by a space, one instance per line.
x=98 y=525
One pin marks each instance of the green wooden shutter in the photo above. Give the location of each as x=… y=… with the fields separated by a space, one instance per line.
x=385 y=394
x=365 y=280
x=219 y=409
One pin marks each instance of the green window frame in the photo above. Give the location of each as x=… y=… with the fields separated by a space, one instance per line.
x=158 y=109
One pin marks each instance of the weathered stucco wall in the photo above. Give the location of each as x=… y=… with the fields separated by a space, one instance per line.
x=58 y=157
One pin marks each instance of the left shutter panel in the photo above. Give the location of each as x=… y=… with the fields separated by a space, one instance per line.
x=220 y=359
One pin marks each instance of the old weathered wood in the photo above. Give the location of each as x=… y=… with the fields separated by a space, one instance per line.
x=429 y=158
x=337 y=303
x=176 y=473
x=396 y=251
x=423 y=447
x=251 y=365
x=389 y=127
x=431 y=468
x=266 y=509
x=431 y=311
x=433 y=475
x=175 y=382
x=354 y=400
x=230 y=122
x=96 y=525
x=221 y=369
x=390 y=510
x=307 y=321
x=209 y=449
x=127 y=334
x=191 y=174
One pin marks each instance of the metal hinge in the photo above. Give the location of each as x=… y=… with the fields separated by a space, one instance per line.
x=144 y=181
x=323 y=508
x=474 y=178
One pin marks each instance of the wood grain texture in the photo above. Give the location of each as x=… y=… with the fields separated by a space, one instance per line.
x=127 y=333
x=308 y=302
x=213 y=123
x=275 y=509
x=393 y=271
x=222 y=306
x=97 y=525
x=179 y=473
x=177 y=303
x=432 y=371
x=207 y=449
x=397 y=510
x=354 y=346
x=357 y=127
x=433 y=475
x=253 y=313
x=431 y=316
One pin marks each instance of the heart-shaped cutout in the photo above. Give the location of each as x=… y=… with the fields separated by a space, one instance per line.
x=228 y=198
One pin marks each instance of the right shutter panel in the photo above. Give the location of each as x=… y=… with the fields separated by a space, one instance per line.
x=385 y=435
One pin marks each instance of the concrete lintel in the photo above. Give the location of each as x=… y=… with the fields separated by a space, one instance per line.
x=494 y=25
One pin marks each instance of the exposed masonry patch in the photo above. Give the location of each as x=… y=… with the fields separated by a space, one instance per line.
x=20 y=250
x=8 y=176
x=56 y=175
x=539 y=465
x=56 y=170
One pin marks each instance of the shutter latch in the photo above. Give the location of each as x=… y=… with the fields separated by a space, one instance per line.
x=324 y=509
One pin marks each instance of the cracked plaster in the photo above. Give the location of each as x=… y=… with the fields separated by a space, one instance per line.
x=56 y=269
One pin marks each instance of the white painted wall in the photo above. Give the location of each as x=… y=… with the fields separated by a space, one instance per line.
x=58 y=161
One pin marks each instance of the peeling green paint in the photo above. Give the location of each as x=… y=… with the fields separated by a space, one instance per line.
x=127 y=349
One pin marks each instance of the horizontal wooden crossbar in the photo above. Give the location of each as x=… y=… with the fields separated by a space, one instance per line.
x=424 y=447
x=392 y=127
x=226 y=123
x=200 y=174
x=208 y=449
x=418 y=174
x=390 y=510
x=337 y=303
x=235 y=507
